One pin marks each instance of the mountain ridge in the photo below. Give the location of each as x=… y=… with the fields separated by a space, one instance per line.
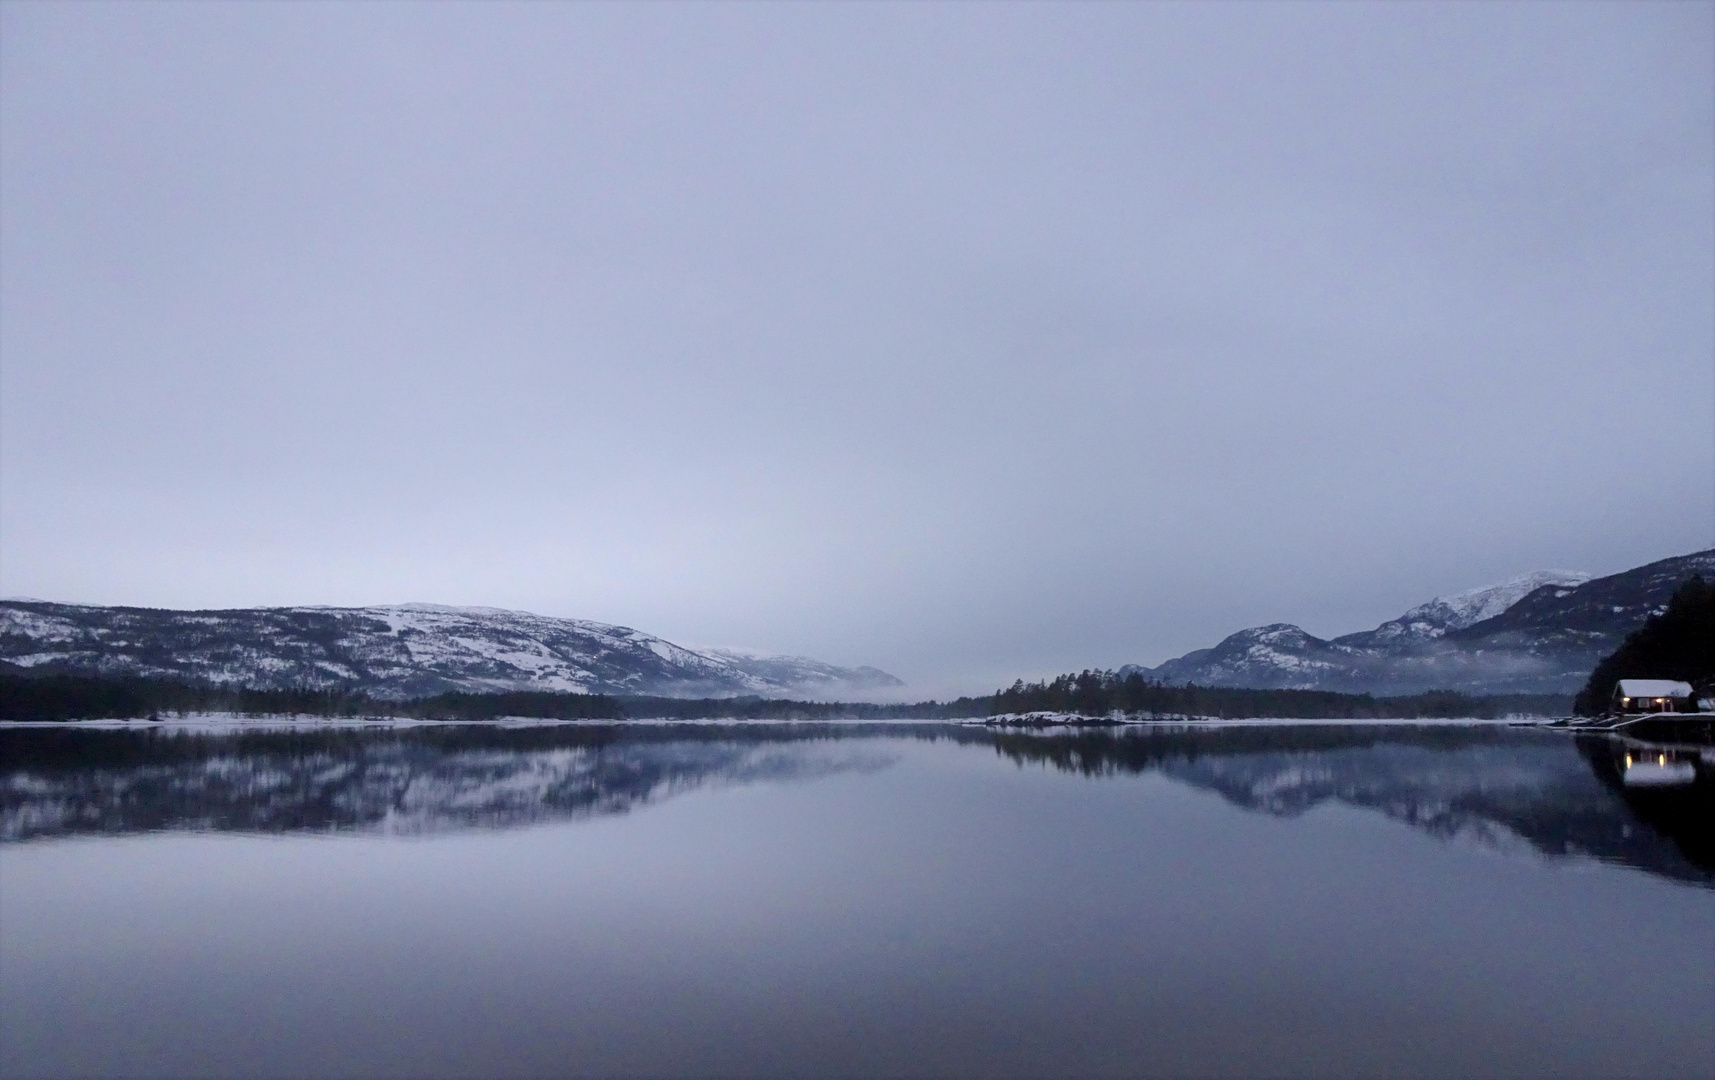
x=1435 y=618
x=1554 y=629
x=400 y=650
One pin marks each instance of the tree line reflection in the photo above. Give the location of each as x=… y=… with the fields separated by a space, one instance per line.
x=1563 y=796
x=1557 y=795
x=58 y=782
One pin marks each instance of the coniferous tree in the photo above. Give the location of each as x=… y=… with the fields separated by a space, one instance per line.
x=1677 y=644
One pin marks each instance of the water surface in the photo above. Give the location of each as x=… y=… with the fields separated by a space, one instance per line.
x=796 y=900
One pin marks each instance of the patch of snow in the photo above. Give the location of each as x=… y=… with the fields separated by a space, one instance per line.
x=1485 y=602
x=1654 y=688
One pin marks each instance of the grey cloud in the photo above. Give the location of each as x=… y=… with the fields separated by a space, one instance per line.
x=965 y=341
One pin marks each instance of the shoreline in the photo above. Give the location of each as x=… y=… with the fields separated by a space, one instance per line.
x=1057 y=721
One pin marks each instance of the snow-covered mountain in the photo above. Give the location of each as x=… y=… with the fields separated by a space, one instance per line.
x=1444 y=613
x=801 y=671
x=1541 y=632
x=401 y=651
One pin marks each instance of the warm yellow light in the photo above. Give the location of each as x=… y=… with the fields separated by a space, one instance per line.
x=1661 y=759
x=1628 y=761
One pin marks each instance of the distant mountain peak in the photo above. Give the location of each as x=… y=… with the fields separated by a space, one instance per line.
x=454 y=609
x=1273 y=633
x=1447 y=613
x=814 y=676
x=1540 y=632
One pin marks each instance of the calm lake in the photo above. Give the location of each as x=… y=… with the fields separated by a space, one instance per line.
x=883 y=900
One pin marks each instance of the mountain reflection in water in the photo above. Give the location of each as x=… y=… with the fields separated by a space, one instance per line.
x=1548 y=793
x=1559 y=795
x=392 y=780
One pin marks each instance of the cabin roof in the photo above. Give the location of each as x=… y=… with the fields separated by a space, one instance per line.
x=1654 y=688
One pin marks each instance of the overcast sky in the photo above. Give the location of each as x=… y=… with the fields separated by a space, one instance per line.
x=967 y=341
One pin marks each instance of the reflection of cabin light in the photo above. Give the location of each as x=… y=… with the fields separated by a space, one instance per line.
x=1658 y=773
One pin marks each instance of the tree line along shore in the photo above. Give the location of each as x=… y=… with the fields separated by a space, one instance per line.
x=58 y=697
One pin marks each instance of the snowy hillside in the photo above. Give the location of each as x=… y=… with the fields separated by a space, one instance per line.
x=400 y=651
x=801 y=671
x=1456 y=612
x=1541 y=632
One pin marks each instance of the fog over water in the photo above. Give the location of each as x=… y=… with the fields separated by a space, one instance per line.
x=965 y=341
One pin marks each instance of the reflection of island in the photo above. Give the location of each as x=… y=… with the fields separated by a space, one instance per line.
x=1494 y=785
x=396 y=780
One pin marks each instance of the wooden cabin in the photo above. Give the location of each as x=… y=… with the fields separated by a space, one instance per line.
x=1652 y=695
